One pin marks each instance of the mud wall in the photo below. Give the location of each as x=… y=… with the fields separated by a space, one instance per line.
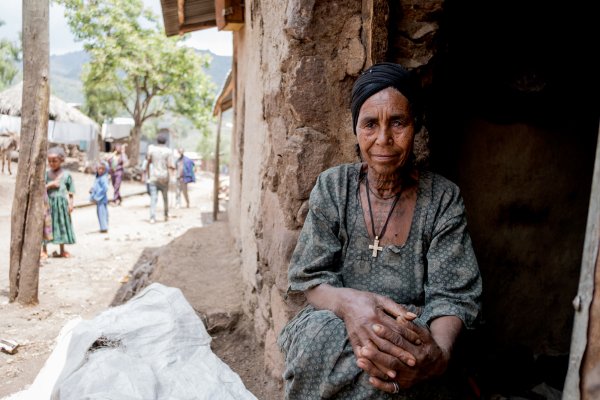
x=294 y=65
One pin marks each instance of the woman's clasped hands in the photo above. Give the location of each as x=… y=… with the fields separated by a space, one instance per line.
x=392 y=349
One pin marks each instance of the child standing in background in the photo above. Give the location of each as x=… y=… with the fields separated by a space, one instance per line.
x=60 y=189
x=99 y=195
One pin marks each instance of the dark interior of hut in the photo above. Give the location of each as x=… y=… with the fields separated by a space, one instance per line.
x=512 y=111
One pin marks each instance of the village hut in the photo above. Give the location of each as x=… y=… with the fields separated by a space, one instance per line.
x=67 y=124
x=512 y=114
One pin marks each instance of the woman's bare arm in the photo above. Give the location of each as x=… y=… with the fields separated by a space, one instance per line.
x=361 y=311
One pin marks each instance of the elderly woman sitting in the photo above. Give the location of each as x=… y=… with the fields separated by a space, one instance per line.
x=385 y=262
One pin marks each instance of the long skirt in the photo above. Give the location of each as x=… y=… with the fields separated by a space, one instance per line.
x=320 y=364
x=62 y=227
x=116 y=179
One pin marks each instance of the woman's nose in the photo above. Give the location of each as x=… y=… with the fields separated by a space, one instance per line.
x=384 y=136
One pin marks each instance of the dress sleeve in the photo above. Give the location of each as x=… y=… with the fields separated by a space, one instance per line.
x=316 y=257
x=453 y=284
x=69 y=184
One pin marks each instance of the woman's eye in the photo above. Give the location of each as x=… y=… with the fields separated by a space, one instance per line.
x=368 y=125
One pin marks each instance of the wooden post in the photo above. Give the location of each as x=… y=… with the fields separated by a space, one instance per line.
x=217 y=150
x=27 y=209
x=375 y=32
x=583 y=376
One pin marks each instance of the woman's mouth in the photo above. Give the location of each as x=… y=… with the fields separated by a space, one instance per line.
x=384 y=157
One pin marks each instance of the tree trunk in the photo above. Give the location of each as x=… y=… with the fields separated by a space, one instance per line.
x=134 y=145
x=27 y=210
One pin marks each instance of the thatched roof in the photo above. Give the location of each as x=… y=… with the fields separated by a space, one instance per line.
x=10 y=104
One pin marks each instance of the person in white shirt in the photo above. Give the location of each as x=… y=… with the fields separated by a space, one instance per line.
x=158 y=170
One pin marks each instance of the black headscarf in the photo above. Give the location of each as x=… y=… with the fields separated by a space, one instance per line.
x=381 y=76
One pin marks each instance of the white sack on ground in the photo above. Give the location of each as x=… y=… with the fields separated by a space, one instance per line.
x=152 y=347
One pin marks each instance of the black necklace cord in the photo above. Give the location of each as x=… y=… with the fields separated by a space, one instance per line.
x=371 y=211
x=381 y=197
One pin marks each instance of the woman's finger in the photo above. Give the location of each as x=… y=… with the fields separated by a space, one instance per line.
x=371 y=369
x=358 y=339
x=400 y=330
x=387 y=371
x=386 y=386
x=395 y=345
x=422 y=331
x=402 y=351
x=396 y=310
x=384 y=361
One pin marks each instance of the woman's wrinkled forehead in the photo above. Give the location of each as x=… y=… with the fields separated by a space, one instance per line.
x=382 y=76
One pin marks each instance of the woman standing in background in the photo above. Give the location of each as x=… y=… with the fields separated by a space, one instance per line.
x=117 y=163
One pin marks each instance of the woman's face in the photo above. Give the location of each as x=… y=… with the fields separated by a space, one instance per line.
x=101 y=169
x=385 y=131
x=54 y=162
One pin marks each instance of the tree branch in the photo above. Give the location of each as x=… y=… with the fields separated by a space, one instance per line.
x=123 y=100
x=157 y=113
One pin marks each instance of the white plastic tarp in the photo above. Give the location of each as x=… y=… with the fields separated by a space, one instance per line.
x=115 y=131
x=9 y=123
x=152 y=347
x=70 y=132
x=85 y=136
x=58 y=131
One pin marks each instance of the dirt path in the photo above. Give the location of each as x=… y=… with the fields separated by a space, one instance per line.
x=86 y=284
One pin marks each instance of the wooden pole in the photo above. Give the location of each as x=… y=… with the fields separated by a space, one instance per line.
x=583 y=376
x=217 y=150
x=27 y=209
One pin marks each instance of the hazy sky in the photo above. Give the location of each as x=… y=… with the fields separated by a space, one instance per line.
x=61 y=39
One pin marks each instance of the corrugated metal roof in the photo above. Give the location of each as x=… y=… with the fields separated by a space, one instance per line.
x=196 y=15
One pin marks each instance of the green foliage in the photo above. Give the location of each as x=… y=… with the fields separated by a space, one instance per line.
x=10 y=55
x=207 y=141
x=134 y=68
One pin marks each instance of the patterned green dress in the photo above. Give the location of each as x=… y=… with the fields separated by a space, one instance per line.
x=435 y=269
x=62 y=228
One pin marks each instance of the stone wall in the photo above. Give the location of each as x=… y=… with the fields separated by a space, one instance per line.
x=295 y=63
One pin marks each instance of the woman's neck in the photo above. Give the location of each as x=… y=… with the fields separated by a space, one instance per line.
x=384 y=185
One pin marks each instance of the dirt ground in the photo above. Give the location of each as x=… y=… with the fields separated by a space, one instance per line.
x=87 y=283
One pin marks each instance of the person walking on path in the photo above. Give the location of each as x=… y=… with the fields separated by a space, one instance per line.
x=117 y=163
x=99 y=195
x=60 y=189
x=158 y=170
x=185 y=175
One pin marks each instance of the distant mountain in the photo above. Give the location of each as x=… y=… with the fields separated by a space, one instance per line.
x=65 y=73
x=218 y=68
